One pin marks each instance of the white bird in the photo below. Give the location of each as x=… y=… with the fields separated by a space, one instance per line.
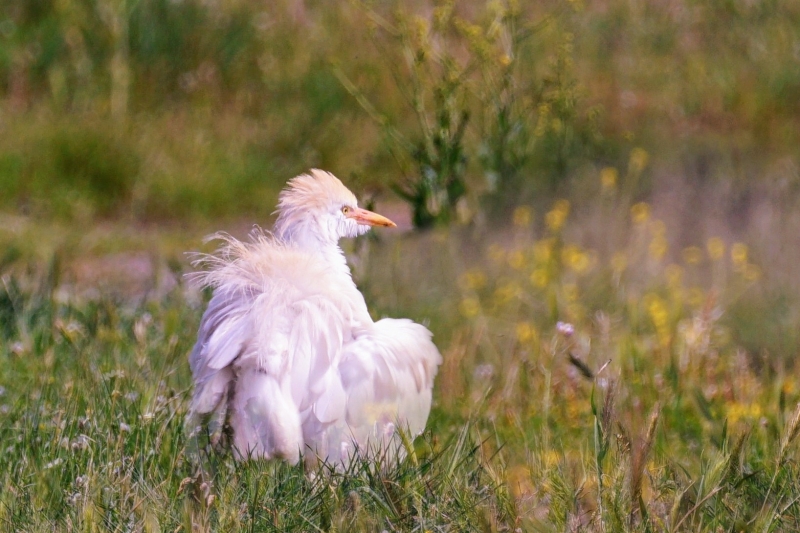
x=287 y=354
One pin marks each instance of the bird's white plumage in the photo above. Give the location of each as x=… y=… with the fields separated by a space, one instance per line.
x=287 y=351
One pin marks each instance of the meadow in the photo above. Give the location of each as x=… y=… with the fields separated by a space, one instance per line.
x=578 y=392
x=608 y=192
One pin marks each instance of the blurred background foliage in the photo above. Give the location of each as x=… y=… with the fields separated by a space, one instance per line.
x=157 y=109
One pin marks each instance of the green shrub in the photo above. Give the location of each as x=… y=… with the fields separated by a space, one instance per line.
x=534 y=128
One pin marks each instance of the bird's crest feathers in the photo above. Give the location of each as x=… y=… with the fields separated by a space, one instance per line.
x=316 y=191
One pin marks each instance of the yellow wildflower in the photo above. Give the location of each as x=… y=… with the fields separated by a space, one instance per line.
x=539 y=277
x=551 y=458
x=523 y=215
x=471 y=31
x=640 y=213
x=608 y=178
x=442 y=14
x=576 y=409
x=657 y=310
x=506 y=292
x=568 y=252
x=716 y=248
x=738 y=411
x=422 y=28
x=580 y=263
x=739 y=254
x=526 y=333
x=692 y=255
x=470 y=307
x=659 y=314
x=638 y=160
x=556 y=217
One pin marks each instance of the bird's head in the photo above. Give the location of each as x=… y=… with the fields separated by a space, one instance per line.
x=318 y=206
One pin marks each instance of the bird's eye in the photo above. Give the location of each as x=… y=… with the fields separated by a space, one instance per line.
x=345 y=210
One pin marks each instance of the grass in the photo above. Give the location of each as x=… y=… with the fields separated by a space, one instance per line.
x=581 y=390
x=94 y=397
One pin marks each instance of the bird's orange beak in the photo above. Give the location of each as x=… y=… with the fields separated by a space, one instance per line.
x=368 y=218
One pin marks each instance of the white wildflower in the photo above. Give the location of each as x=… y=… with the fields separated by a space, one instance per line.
x=54 y=463
x=132 y=396
x=80 y=444
x=565 y=328
x=485 y=371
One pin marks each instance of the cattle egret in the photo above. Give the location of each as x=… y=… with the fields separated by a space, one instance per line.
x=287 y=354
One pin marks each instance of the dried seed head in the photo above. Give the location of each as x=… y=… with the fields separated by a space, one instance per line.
x=733 y=460
x=623 y=441
x=639 y=458
x=655 y=414
x=790 y=434
x=608 y=411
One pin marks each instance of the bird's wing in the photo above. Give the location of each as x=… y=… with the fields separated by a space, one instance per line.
x=275 y=327
x=387 y=374
x=224 y=334
x=288 y=372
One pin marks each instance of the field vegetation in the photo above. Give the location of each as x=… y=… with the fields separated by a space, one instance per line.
x=605 y=197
